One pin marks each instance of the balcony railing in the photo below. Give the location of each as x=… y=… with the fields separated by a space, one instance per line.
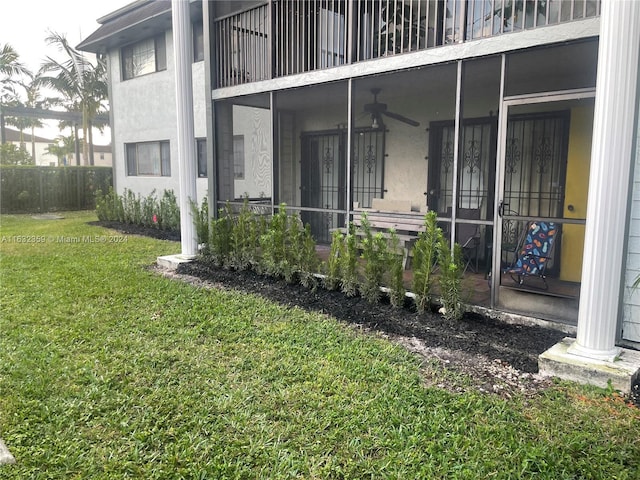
x=286 y=37
x=243 y=47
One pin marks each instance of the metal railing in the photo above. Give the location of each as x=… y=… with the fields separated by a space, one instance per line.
x=309 y=35
x=285 y=37
x=243 y=47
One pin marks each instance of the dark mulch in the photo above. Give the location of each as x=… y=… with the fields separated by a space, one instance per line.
x=496 y=356
x=131 y=229
x=516 y=345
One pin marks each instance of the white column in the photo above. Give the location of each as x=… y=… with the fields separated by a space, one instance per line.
x=186 y=136
x=612 y=142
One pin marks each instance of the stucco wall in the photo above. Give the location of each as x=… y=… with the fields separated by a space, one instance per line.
x=406 y=147
x=107 y=161
x=144 y=109
x=253 y=124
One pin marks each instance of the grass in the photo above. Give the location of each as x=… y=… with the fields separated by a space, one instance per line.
x=110 y=371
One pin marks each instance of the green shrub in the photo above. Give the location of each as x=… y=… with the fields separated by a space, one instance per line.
x=24 y=196
x=307 y=259
x=333 y=274
x=12 y=154
x=149 y=209
x=349 y=263
x=244 y=239
x=220 y=237
x=169 y=216
x=397 y=292
x=201 y=219
x=132 y=207
x=451 y=270
x=375 y=253
x=425 y=256
x=109 y=207
x=273 y=245
x=278 y=251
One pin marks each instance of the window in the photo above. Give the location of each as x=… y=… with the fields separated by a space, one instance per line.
x=144 y=57
x=201 y=152
x=238 y=157
x=198 y=42
x=148 y=158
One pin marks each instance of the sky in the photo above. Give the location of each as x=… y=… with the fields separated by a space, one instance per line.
x=24 y=24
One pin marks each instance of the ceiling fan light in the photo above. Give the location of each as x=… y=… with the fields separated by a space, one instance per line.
x=375 y=125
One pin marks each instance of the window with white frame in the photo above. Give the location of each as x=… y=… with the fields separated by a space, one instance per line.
x=144 y=57
x=148 y=159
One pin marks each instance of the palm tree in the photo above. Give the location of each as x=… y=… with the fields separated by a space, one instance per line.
x=64 y=146
x=82 y=85
x=34 y=99
x=10 y=67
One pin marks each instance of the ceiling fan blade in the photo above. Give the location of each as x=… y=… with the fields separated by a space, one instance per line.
x=401 y=118
x=375 y=107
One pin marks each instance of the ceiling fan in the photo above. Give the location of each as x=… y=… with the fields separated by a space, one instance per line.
x=377 y=109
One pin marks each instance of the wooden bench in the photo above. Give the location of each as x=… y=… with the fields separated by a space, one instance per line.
x=407 y=225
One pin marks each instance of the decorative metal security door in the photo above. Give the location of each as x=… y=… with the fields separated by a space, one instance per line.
x=367 y=166
x=535 y=164
x=323 y=182
x=543 y=171
x=324 y=186
x=475 y=184
x=534 y=175
x=476 y=166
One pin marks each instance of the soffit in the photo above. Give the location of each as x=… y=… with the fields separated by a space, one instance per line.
x=137 y=21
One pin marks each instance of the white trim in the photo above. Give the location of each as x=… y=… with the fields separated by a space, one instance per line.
x=499 y=186
x=556 y=96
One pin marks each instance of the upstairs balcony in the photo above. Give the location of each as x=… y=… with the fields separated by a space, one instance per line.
x=286 y=37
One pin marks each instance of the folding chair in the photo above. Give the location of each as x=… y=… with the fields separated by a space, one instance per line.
x=469 y=238
x=535 y=253
x=513 y=232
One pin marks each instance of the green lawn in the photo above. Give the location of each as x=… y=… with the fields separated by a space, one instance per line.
x=110 y=371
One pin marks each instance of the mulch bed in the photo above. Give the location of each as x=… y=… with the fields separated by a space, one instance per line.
x=494 y=356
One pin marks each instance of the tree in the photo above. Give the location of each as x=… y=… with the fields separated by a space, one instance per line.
x=63 y=147
x=10 y=67
x=82 y=85
x=34 y=99
x=11 y=154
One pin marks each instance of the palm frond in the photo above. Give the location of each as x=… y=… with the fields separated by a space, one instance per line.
x=9 y=64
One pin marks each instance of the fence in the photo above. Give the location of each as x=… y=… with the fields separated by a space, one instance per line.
x=29 y=189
